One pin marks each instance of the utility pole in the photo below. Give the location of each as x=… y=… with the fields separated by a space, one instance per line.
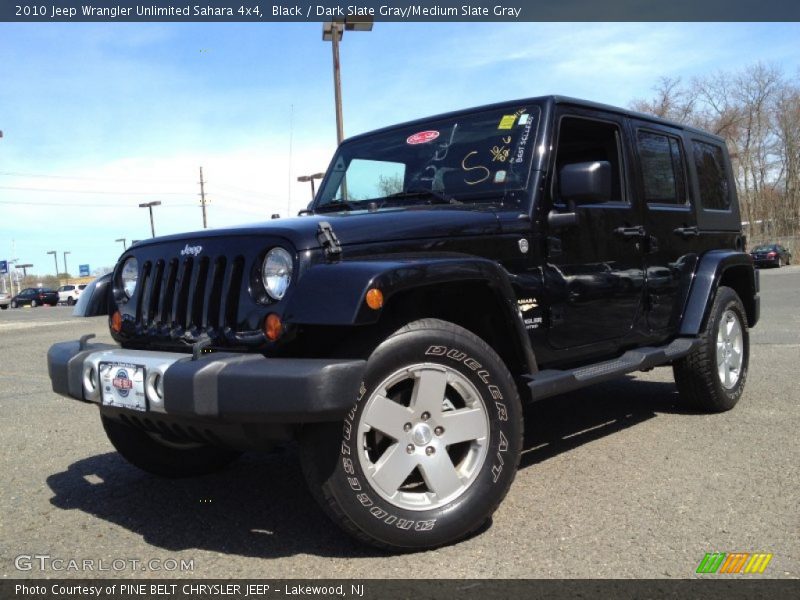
x=55 y=260
x=333 y=31
x=123 y=240
x=66 y=272
x=203 y=199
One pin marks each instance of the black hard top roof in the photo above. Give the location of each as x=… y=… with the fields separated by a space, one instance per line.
x=543 y=100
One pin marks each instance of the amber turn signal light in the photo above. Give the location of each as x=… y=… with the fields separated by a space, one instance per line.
x=273 y=327
x=116 y=322
x=374 y=298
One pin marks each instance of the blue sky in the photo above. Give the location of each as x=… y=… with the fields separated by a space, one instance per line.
x=100 y=117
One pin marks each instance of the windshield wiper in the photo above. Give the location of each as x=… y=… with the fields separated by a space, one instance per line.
x=439 y=197
x=335 y=207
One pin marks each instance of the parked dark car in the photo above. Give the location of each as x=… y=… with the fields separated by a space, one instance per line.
x=35 y=297
x=772 y=255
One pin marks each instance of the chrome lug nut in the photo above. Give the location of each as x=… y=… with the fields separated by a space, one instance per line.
x=438 y=430
x=430 y=450
x=426 y=416
x=410 y=448
x=407 y=427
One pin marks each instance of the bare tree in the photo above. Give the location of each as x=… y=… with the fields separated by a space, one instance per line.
x=757 y=111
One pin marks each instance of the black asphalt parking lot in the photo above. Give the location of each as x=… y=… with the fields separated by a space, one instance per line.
x=618 y=480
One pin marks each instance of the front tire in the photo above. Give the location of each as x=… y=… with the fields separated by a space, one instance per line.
x=70 y=301
x=34 y=304
x=155 y=454
x=712 y=377
x=430 y=447
x=13 y=304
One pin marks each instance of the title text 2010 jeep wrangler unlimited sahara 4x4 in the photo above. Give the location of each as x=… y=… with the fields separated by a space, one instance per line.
x=447 y=270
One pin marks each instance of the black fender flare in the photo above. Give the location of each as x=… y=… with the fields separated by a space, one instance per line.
x=335 y=293
x=95 y=299
x=710 y=272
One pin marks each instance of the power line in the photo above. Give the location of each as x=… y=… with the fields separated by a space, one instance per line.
x=52 y=176
x=79 y=204
x=65 y=191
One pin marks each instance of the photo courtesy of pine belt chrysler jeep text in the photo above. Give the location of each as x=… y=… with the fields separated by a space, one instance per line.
x=448 y=270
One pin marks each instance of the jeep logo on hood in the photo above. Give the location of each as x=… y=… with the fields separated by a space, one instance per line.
x=191 y=250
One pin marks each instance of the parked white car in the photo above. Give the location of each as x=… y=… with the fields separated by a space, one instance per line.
x=5 y=300
x=68 y=294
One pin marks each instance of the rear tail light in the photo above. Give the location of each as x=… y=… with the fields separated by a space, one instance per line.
x=771 y=254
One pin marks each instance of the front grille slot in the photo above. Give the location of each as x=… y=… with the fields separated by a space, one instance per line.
x=155 y=293
x=168 y=293
x=198 y=294
x=183 y=292
x=191 y=295
x=143 y=290
x=215 y=293
x=233 y=287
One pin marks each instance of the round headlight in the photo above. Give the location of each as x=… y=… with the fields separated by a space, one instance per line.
x=276 y=272
x=129 y=276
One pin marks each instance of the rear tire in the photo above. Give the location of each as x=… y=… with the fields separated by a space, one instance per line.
x=712 y=377
x=34 y=304
x=70 y=301
x=429 y=449
x=155 y=454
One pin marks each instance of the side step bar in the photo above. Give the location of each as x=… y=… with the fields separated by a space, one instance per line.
x=551 y=382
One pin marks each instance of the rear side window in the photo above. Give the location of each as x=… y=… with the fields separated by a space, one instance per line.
x=711 y=176
x=662 y=168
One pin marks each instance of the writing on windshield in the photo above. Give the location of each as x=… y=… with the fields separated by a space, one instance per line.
x=474 y=157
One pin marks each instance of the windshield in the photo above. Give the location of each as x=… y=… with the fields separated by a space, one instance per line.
x=477 y=157
x=763 y=248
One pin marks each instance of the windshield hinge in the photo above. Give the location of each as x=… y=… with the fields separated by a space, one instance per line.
x=328 y=240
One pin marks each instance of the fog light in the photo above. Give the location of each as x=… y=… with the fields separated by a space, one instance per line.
x=89 y=380
x=374 y=298
x=116 y=322
x=273 y=327
x=155 y=387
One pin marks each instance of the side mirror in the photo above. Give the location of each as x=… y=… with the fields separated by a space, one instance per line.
x=585 y=182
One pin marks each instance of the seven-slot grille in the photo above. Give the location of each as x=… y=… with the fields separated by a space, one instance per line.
x=189 y=294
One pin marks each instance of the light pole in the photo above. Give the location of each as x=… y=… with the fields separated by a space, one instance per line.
x=55 y=260
x=123 y=240
x=150 y=205
x=66 y=271
x=311 y=178
x=24 y=268
x=333 y=31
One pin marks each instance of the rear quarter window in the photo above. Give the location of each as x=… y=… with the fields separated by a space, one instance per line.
x=712 y=178
x=662 y=168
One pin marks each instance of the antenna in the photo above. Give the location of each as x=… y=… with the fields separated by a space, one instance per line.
x=291 y=133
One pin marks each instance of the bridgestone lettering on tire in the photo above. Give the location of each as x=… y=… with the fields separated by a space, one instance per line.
x=712 y=377
x=430 y=447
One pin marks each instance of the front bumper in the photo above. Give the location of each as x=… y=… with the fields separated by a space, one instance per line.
x=218 y=387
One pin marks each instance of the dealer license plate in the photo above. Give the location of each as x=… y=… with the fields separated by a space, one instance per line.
x=123 y=385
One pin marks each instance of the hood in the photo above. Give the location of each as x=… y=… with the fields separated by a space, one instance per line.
x=359 y=227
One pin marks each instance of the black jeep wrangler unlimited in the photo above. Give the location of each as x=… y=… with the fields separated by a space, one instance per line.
x=447 y=270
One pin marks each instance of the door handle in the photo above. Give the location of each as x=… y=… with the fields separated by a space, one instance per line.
x=630 y=232
x=686 y=231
